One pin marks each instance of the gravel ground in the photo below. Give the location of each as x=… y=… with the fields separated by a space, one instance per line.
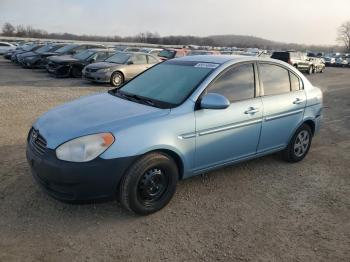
x=261 y=210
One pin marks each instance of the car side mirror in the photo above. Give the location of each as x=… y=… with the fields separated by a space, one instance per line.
x=92 y=60
x=214 y=101
x=130 y=62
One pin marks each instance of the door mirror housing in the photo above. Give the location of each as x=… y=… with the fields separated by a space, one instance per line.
x=130 y=62
x=214 y=101
x=92 y=60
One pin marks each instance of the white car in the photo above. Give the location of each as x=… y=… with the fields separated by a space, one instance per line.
x=5 y=46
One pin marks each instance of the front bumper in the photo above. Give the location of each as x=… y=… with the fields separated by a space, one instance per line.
x=59 y=70
x=100 y=77
x=68 y=181
x=31 y=62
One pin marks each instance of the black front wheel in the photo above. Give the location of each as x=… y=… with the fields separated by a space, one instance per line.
x=149 y=184
x=76 y=72
x=310 y=70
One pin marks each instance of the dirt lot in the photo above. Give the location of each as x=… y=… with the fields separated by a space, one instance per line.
x=262 y=210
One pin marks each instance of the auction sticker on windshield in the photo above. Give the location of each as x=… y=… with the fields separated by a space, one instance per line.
x=206 y=65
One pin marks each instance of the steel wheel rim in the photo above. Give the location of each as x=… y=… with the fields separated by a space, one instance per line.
x=301 y=143
x=117 y=79
x=152 y=186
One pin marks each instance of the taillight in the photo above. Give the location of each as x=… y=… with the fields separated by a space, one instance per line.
x=290 y=61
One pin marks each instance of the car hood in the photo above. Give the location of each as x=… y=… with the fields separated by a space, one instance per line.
x=92 y=114
x=101 y=65
x=62 y=59
x=28 y=54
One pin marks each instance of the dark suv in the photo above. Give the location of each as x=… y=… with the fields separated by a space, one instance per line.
x=296 y=59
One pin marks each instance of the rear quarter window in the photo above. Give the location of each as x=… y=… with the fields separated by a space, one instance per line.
x=295 y=82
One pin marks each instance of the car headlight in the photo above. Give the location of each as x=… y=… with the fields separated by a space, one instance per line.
x=85 y=148
x=104 y=70
x=30 y=58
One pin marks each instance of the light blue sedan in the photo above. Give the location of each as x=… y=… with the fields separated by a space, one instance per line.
x=181 y=118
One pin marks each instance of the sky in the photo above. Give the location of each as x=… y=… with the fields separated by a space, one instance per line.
x=290 y=21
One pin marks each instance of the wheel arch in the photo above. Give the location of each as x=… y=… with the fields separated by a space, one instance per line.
x=175 y=156
x=311 y=124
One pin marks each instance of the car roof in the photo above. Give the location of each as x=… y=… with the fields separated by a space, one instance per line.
x=222 y=59
x=100 y=49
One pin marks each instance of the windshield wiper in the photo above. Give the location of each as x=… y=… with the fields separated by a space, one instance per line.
x=135 y=98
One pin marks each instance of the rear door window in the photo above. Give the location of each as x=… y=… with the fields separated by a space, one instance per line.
x=275 y=79
x=101 y=56
x=152 y=60
x=139 y=59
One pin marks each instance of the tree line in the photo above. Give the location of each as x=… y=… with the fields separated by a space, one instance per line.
x=239 y=41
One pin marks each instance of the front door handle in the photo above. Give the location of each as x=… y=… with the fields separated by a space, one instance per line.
x=298 y=101
x=252 y=110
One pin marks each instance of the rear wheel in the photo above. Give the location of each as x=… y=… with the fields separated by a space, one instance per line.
x=299 y=145
x=117 y=79
x=149 y=184
x=76 y=72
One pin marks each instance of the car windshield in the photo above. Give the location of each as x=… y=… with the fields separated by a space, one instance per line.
x=28 y=47
x=145 y=50
x=118 y=58
x=167 y=53
x=84 y=55
x=168 y=84
x=65 y=49
x=44 y=48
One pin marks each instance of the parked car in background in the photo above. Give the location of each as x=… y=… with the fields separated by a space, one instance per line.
x=330 y=61
x=340 y=62
x=127 y=48
x=70 y=49
x=26 y=49
x=44 y=48
x=296 y=59
x=37 y=59
x=8 y=54
x=203 y=52
x=65 y=66
x=119 y=68
x=151 y=51
x=181 y=118
x=6 y=46
x=171 y=53
x=318 y=64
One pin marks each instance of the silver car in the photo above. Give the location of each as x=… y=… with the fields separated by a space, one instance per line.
x=119 y=68
x=181 y=118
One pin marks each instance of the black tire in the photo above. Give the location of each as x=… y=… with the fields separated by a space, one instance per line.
x=144 y=192
x=76 y=72
x=310 y=70
x=117 y=79
x=291 y=153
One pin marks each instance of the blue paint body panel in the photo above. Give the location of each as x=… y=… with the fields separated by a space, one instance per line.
x=203 y=139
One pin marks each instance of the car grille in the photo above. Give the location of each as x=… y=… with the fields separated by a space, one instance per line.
x=37 y=142
x=91 y=70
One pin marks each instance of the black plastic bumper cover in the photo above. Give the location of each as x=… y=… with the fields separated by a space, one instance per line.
x=68 y=181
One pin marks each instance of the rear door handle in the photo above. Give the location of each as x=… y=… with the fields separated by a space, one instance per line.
x=298 y=101
x=251 y=110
